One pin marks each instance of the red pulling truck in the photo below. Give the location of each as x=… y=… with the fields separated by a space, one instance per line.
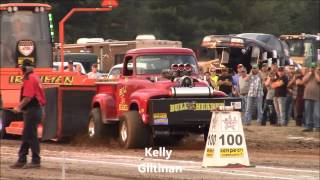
x=158 y=94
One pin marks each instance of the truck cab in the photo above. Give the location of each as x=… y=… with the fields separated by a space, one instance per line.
x=158 y=93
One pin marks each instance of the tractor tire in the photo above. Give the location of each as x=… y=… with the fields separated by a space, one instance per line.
x=96 y=128
x=133 y=133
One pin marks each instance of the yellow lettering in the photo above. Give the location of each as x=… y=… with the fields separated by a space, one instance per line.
x=68 y=80
x=58 y=80
x=11 y=79
x=172 y=108
x=198 y=106
x=194 y=106
x=176 y=107
x=207 y=106
x=46 y=79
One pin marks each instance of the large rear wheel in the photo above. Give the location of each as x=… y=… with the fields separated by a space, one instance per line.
x=96 y=128
x=133 y=133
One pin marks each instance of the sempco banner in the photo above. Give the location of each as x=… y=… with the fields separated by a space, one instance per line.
x=226 y=145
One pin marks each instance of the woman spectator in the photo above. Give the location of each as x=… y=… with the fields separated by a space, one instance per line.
x=269 y=111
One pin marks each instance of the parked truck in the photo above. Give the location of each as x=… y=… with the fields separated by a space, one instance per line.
x=246 y=49
x=111 y=52
x=158 y=93
x=303 y=48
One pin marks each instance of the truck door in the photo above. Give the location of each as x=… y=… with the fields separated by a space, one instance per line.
x=126 y=85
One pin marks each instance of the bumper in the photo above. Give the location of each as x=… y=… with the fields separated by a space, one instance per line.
x=186 y=111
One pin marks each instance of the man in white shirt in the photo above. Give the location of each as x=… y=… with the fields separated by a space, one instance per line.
x=94 y=74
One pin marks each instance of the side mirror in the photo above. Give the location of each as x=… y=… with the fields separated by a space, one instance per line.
x=130 y=66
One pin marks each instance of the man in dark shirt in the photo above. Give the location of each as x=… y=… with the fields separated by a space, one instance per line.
x=225 y=82
x=31 y=101
x=280 y=86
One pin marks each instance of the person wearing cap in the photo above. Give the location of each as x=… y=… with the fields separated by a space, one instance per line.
x=255 y=94
x=225 y=82
x=297 y=87
x=32 y=100
x=311 y=98
x=243 y=89
x=280 y=94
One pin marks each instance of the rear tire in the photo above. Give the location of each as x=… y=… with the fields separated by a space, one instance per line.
x=96 y=128
x=133 y=133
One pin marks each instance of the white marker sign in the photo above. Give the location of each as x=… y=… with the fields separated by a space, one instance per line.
x=226 y=143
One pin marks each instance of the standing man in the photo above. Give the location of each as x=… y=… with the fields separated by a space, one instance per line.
x=243 y=89
x=32 y=100
x=289 y=100
x=225 y=82
x=280 y=94
x=255 y=94
x=311 y=98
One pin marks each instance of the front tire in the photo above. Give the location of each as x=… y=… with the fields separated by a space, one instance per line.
x=133 y=133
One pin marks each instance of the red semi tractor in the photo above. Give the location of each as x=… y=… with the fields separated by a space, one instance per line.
x=158 y=94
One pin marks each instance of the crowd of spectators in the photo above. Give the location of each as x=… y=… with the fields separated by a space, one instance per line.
x=274 y=94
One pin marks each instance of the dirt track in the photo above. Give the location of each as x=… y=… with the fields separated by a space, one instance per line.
x=277 y=152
